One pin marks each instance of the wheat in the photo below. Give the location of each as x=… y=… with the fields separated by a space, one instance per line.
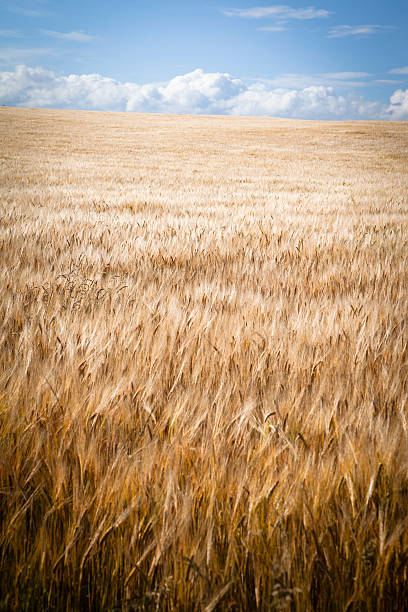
x=203 y=364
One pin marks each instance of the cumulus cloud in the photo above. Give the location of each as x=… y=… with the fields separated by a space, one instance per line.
x=27 y=86
x=314 y=102
x=398 y=108
x=196 y=92
x=73 y=36
x=341 y=31
x=283 y=12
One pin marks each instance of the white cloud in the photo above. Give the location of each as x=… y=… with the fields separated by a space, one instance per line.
x=73 y=36
x=278 y=12
x=196 y=92
x=398 y=108
x=38 y=87
x=341 y=31
x=403 y=70
x=314 y=102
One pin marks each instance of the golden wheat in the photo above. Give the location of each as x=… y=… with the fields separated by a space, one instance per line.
x=203 y=364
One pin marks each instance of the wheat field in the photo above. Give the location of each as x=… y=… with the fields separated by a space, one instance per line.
x=203 y=363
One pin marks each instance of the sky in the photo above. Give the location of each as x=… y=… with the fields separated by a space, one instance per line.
x=340 y=60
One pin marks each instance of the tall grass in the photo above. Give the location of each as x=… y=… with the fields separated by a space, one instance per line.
x=203 y=363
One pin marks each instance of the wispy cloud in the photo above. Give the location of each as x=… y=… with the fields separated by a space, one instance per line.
x=339 y=80
x=346 y=76
x=73 y=36
x=402 y=70
x=341 y=31
x=282 y=12
x=274 y=28
x=10 y=34
x=26 y=11
x=13 y=55
x=387 y=81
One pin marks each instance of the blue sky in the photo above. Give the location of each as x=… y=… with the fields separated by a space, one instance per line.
x=330 y=60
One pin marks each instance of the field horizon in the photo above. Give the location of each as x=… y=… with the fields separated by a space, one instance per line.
x=203 y=362
x=261 y=118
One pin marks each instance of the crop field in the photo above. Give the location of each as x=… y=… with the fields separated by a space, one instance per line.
x=203 y=363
